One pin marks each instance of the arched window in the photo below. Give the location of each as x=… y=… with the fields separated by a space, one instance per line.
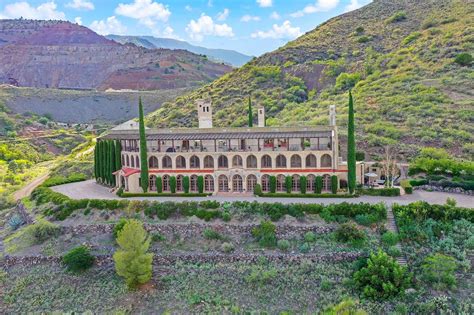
x=137 y=161
x=208 y=183
x=251 y=182
x=180 y=162
x=326 y=182
x=223 y=183
x=153 y=162
x=326 y=161
x=166 y=183
x=266 y=183
x=208 y=162
x=237 y=184
x=266 y=161
x=280 y=183
x=236 y=161
x=179 y=183
x=251 y=161
x=128 y=160
x=295 y=161
x=166 y=162
x=295 y=183
x=194 y=162
x=311 y=161
x=123 y=160
x=281 y=161
x=132 y=160
x=152 y=183
x=193 y=183
x=310 y=181
x=222 y=162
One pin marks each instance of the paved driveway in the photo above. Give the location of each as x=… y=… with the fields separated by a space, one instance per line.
x=89 y=189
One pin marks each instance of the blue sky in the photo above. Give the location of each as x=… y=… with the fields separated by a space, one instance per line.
x=249 y=26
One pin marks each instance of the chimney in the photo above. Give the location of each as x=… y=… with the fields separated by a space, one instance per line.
x=332 y=115
x=204 y=109
x=261 y=116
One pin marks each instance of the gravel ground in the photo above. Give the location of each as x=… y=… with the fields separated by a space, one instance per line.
x=89 y=189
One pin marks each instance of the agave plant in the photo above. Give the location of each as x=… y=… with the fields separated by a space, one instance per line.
x=15 y=222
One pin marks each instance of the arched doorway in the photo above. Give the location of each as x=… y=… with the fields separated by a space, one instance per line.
x=223 y=183
x=251 y=182
x=326 y=182
x=310 y=182
x=152 y=183
x=179 y=183
x=295 y=183
x=237 y=184
x=166 y=183
x=193 y=183
x=265 y=183
x=280 y=183
x=208 y=183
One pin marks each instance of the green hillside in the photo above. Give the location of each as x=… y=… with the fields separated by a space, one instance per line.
x=399 y=57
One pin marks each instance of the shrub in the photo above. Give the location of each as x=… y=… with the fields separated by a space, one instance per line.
x=346 y=81
x=226 y=216
x=283 y=245
x=186 y=184
x=359 y=30
x=173 y=184
x=364 y=39
x=318 y=184
x=385 y=192
x=309 y=237
x=349 y=232
x=303 y=182
x=334 y=182
x=78 y=259
x=159 y=184
x=346 y=307
x=44 y=230
x=260 y=275
x=390 y=238
x=273 y=184
x=360 y=156
x=227 y=247
x=200 y=184
x=119 y=227
x=382 y=277
x=304 y=248
x=211 y=234
x=365 y=219
x=397 y=17
x=288 y=180
x=394 y=251
x=265 y=234
x=405 y=184
x=464 y=59
x=439 y=270
x=157 y=237
x=132 y=260
x=15 y=222
x=257 y=191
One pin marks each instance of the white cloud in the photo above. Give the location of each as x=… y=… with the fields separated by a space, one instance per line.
x=109 y=26
x=222 y=16
x=284 y=30
x=78 y=20
x=248 y=18
x=45 y=11
x=168 y=32
x=206 y=26
x=265 y=3
x=188 y=8
x=318 y=6
x=275 y=15
x=146 y=12
x=81 y=5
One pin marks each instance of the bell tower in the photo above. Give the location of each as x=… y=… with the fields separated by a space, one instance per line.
x=204 y=108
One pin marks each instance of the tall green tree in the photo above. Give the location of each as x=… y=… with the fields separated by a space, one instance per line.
x=351 y=148
x=250 y=113
x=143 y=149
x=96 y=161
x=118 y=155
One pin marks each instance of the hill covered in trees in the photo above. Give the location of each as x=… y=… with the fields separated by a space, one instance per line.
x=406 y=61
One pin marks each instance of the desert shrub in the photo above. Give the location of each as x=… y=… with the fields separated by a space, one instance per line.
x=347 y=232
x=304 y=248
x=439 y=271
x=359 y=29
x=43 y=230
x=132 y=260
x=211 y=234
x=397 y=17
x=464 y=59
x=410 y=38
x=334 y=182
x=309 y=237
x=346 y=307
x=134 y=206
x=118 y=227
x=157 y=237
x=382 y=277
x=261 y=275
x=346 y=81
x=364 y=39
x=257 y=191
x=227 y=247
x=390 y=238
x=78 y=259
x=15 y=222
x=265 y=234
x=283 y=245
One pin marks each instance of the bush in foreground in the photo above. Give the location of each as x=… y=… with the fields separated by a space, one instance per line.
x=265 y=234
x=349 y=232
x=43 y=230
x=439 y=270
x=346 y=307
x=78 y=259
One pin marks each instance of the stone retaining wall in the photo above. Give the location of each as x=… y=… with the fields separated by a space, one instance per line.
x=453 y=190
x=214 y=257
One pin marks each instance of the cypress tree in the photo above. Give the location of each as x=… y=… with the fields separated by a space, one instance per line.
x=318 y=185
x=143 y=149
x=95 y=162
x=100 y=160
x=250 y=113
x=118 y=155
x=351 y=148
x=112 y=162
x=107 y=162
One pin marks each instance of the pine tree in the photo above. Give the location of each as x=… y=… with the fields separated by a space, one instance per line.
x=351 y=148
x=143 y=149
x=132 y=260
x=250 y=113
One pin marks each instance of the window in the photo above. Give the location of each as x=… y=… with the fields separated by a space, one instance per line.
x=281 y=161
x=266 y=161
x=180 y=162
x=251 y=182
x=222 y=162
x=152 y=183
x=326 y=161
x=166 y=183
x=310 y=181
x=194 y=162
x=179 y=183
x=311 y=161
x=128 y=161
x=137 y=161
x=251 y=161
x=237 y=184
x=280 y=183
x=326 y=182
x=237 y=161
x=266 y=183
x=295 y=183
x=123 y=160
x=133 y=161
x=208 y=183
x=208 y=162
x=153 y=162
x=166 y=162
x=223 y=183
x=295 y=161
x=193 y=183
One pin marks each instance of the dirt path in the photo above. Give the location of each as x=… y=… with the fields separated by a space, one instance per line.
x=28 y=189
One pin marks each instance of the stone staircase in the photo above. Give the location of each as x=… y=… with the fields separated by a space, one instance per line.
x=392 y=227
